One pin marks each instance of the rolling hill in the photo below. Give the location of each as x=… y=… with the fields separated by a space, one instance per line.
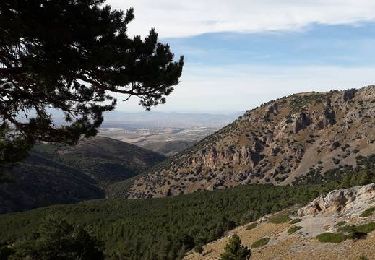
x=54 y=174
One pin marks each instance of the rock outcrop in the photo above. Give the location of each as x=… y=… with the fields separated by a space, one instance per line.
x=334 y=213
x=341 y=202
x=278 y=142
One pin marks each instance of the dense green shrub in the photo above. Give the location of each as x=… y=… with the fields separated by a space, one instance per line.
x=234 y=250
x=347 y=232
x=261 y=242
x=357 y=231
x=279 y=218
x=251 y=226
x=331 y=237
x=294 y=221
x=293 y=229
x=368 y=212
x=56 y=239
x=198 y=249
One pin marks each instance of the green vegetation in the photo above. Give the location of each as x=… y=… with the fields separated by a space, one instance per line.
x=368 y=212
x=299 y=101
x=79 y=58
x=261 y=242
x=343 y=177
x=347 y=232
x=293 y=229
x=56 y=239
x=279 y=218
x=251 y=226
x=198 y=249
x=331 y=237
x=294 y=221
x=56 y=173
x=357 y=231
x=162 y=228
x=167 y=228
x=234 y=250
x=105 y=160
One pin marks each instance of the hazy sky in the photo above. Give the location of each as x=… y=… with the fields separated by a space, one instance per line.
x=241 y=53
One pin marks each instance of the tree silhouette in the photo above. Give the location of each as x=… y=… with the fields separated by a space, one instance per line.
x=71 y=57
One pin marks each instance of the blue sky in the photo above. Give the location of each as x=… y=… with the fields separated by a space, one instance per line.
x=240 y=54
x=344 y=45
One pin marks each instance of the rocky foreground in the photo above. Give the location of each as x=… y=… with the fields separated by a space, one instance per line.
x=336 y=226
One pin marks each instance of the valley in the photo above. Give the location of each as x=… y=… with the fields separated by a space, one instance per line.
x=144 y=205
x=187 y=130
x=167 y=141
x=55 y=174
x=165 y=133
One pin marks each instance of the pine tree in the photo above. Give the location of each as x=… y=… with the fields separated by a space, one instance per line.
x=235 y=251
x=57 y=239
x=70 y=58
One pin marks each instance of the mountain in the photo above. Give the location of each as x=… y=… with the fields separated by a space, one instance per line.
x=167 y=228
x=55 y=174
x=282 y=142
x=339 y=225
x=169 y=148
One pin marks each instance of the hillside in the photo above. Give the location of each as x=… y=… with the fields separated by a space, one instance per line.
x=167 y=228
x=338 y=225
x=104 y=159
x=169 y=148
x=282 y=142
x=160 y=228
x=54 y=174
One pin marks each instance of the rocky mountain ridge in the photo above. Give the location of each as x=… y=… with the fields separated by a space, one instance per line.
x=279 y=142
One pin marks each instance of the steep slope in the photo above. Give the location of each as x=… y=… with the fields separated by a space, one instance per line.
x=348 y=214
x=40 y=181
x=279 y=142
x=106 y=160
x=169 y=148
x=54 y=174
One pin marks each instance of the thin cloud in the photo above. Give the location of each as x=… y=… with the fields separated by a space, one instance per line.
x=238 y=88
x=174 y=18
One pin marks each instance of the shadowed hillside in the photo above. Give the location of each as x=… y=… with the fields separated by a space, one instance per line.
x=61 y=174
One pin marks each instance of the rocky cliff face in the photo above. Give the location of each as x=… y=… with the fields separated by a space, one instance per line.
x=274 y=143
x=340 y=202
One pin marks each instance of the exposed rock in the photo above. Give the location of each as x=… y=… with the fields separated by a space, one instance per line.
x=340 y=201
x=277 y=143
x=339 y=208
x=301 y=121
x=349 y=94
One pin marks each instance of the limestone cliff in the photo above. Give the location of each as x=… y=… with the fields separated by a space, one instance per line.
x=277 y=143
